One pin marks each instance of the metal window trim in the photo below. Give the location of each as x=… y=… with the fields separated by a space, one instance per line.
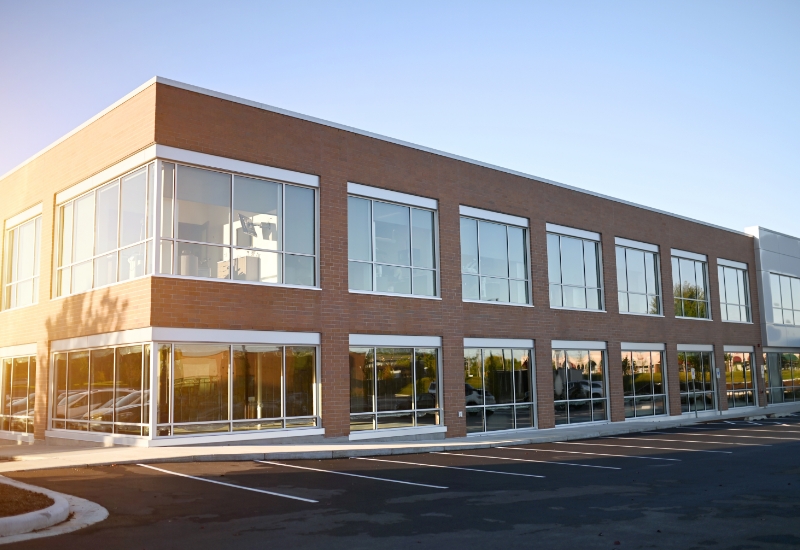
x=488 y=215
x=641 y=346
x=738 y=349
x=578 y=345
x=572 y=232
x=392 y=340
x=688 y=255
x=733 y=264
x=628 y=243
x=407 y=199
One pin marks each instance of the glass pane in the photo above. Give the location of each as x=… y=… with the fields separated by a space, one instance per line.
x=494 y=290
x=732 y=313
x=622 y=281
x=627 y=374
x=256 y=213
x=689 y=287
x=517 y=263
x=128 y=387
x=65 y=254
x=18 y=402
x=637 y=303
x=654 y=305
x=795 y=283
x=732 y=286
x=700 y=276
x=518 y=292
x=597 y=372
x=132 y=262
x=775 y=287
x=524 y=417
x=473 y=378
x=101 y=390
x=580 y=411
x=257 y=373
x=301 y=368
x=470 y=287
x=651 y=273
x=133 y=222
x=359 y=229
x=167 y=198
x=76 y=403
x=361 y=423
x=469 y=246
x=300 y=220
x=83 y=244
x=392 y=279
x=630 y=411
x=5 y=379
x=574 y=297
x=395 y=380
x=555 y=296
x=253 y=265
x=164 y=392
x=522 y=376
x=201 y=382
x=422 y=238
x=636 y=271
x=424 y=282
x=722 y=298
x=360 y=276
x=559 y=376
x=592 y=265
x=741 y=286
x=392 y=234
x=105 y=270
x=24 y=260
x=107 y=218
x=642 y=372
x=203 y=206
x=786 y=293
x=499 y=418
x=676 y=280
x=166 y=257
x=474 y=420
x=493 y=249
x=200 y=260
x=300 y=270
x=82 y=277
x=499 y=376
x=391 y=421
x=658 y=373
x=362 y=380
x=426 y=375
x=553 y=259
x=572 y=262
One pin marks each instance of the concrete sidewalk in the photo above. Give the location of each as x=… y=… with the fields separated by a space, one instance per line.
x=42 y=456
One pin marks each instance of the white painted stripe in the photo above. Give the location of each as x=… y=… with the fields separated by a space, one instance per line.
x=498 y=343
x=530 y=460
x=492 y=216
x=556 y=451
x=572 y=232
x=637 y=346
x=395 y=432
x=24 y=216
x=228 y=484
x=18 y=351
x=395 y=340
x=740 y=349
x=449 y=467
x=651 y=448
x=695 y=347
x=619 y=241
x=577 y=344
x=683 y=440
x=351 y=475
x=688 y=255
x=391 y=196
x=731 y=263
x=748 y=436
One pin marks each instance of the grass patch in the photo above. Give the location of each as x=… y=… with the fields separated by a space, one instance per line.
x=15 y=501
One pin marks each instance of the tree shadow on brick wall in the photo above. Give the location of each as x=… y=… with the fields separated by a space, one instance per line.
x=87 y=314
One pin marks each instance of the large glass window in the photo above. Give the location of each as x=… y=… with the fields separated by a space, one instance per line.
x=393 y=388
x=574 y=272
x=643 y=384
x=690 y=287
x=734 y=294
x=21 y=273
x=105 y=235
x=579 y=386
x=494 y=262
x=222 y=226
x=785 y=299
x=391 y=248
x=212 y=388
x=17 y=393
x=782 y=377
x=102 y=390
x=696 y=380
x=638 y=281
x=739 y=384
x=497 y=389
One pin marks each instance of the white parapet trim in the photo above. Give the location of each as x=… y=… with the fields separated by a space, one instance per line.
x=628 y=243
x=640 y=346
x=578 y=345
x=498 y=343
x=395 y=340
x=481 y=214
x=391 y=196
x=572 y=232
x=695 y=347
x=18 y=351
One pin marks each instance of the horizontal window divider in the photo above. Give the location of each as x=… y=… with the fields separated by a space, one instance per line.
x=396 y=295
x=738 y=322
x=642 y=314
x=496 y=303
x=579 y=309
x=235 y=281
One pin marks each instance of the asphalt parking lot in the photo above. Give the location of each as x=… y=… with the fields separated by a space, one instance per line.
x=722 y=485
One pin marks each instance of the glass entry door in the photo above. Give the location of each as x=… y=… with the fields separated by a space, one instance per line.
x=696 y=376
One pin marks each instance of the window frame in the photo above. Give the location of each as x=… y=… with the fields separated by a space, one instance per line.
x=659 y=283
x=795 y=308
x=695 y=258
x=373 y=262
x=722 y=265
x=472 y=214
x=28 y=420
x=555 y=348
x=600 y=268
x=159 y=215
x=664 y=383
x=8 y=280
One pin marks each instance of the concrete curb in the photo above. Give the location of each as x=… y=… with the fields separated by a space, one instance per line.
x=38 y=519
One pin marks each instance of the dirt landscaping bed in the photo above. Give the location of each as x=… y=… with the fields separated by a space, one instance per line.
x=15 y=501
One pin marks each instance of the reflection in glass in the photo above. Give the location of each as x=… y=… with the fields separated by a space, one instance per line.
x=203 y=206
x=257 y=374
x=579 y=386
x=200 y=383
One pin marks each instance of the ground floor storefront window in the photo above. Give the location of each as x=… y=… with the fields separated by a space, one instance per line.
x=394 y=387
x=17 y=393
x=782 y=377
x=696 y=380
x=643 y=383
x=579 y=386
x=739 y=385
x=103 y=390
x=498 y=389
x=214 y=388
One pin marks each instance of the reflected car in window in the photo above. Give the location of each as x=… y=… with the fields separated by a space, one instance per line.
x=474 y=396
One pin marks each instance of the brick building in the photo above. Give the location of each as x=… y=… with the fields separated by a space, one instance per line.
x=190 y=267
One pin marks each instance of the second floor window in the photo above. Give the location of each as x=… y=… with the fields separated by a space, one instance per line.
x=734 y=295
x=22 y=264
x=391 y=248
x=637 y=281
x=690 y=282
x=785 y=299
x=574 y=272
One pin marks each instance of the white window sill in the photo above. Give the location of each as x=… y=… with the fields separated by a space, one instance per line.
x=783 y=325
x=738 y=322
x=578 y=309
x=657 y=315
x=396 y=295
x=395 y=432
x=496 y=303
x=98 y=288
x=17 y=308
x=692 y=318
x=234 y=281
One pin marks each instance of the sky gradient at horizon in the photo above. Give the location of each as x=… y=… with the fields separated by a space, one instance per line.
x=686 y=107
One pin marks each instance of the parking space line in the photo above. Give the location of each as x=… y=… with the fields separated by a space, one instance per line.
x=757 y=430
x=655 y=448
x=351 y=475
x=530 y=460
x=448 y=467
x=752 y=436
x=229 y=484
x=689 y=440
x=589 y=454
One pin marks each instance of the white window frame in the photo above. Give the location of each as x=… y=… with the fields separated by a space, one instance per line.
x=12 y=226
x=683 y=254
x=795 y=309
x=564 y=231
x=650 y=249
x=739 y=266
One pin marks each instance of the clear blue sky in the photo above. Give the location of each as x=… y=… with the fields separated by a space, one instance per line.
x=691 y=107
